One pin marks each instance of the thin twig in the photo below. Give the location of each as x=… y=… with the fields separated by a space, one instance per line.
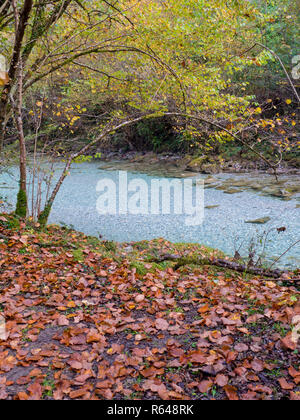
x=281 y=64
x=282 y=255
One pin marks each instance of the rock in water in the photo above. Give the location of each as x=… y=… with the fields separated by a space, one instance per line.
x=261 y=221
x=212 y=207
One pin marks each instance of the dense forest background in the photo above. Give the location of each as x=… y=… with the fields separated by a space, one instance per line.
x=80 y=78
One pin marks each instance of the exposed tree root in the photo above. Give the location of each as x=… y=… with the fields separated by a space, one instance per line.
x=217 y=262
x=56 y=245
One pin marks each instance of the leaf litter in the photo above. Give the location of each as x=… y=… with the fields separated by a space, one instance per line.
x=102 y=322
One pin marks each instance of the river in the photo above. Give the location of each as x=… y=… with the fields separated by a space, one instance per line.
x=226 y=212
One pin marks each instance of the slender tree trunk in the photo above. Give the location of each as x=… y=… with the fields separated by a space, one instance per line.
x=3 y=115
x=2 y=129
x=21 y=208
x=21 y=21
x=43 y=217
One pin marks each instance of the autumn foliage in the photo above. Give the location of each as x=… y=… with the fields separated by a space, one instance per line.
x=96 y=320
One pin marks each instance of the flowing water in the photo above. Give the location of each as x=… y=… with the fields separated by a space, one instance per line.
x=223 y=227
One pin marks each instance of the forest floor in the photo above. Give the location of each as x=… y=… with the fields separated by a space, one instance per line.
x=87 y=319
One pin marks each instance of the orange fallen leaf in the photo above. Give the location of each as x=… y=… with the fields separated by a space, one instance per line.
x=35 y=391
x=288 y=343
x=285 y=385
x=203 y=309
x=93 y=337
x=77 y=394
x=231 y=393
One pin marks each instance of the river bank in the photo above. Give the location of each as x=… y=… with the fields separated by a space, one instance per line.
x=205 y=164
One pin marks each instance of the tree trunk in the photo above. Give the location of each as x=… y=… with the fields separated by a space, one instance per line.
x=21 y=21
x=21 y=208
x=3 y=115
x=43 y=217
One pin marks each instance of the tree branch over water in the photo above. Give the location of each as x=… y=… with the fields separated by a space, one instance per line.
x=111 y=128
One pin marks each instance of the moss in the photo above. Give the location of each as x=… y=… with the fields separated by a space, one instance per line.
x=93 y=241
x=191 y=262
x=21 y=209
x=197 y=163
x=43 y=218
x=12 y=222
x=140 y=268
x=110 y=246
x=161 y=266
x=78 y=255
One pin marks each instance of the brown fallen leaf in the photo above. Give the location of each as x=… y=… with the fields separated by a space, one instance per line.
x=197 y=357
x=240 y=347
x=78 y=393
x=161 y=324
x=249 y=396
x=35 y=391
x=257 y=365
x=63 y=321
x=261 y=388
x=139 y=298
x=35 y=372
x=3 y=394
x=285 y=385
x=22 y=396
x=205 y=386
x=152 y=372
x=75 y=364
x=93 y=336
x=295 y=396
x=231 y=393
x=288 y=343
x=221 y=380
